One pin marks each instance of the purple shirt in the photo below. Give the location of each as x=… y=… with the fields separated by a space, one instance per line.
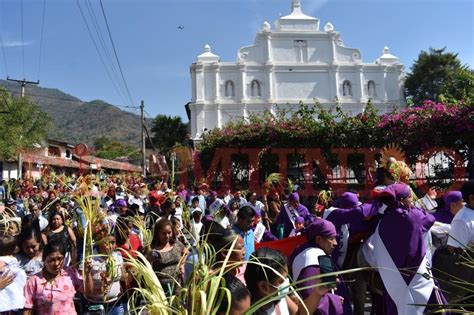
x=443 y=216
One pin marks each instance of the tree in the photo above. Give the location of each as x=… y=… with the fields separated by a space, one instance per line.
x=439 y=75
x=107 y=148
x=167 y=131
x=22 y=124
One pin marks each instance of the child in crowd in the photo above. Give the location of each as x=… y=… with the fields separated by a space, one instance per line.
x=12 y=277
x=30 y=245
x=240 y=297
x=196 y=224
x=299 y=226
x=220 y=217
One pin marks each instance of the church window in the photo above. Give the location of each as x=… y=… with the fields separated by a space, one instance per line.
x=301 y=50
x=229 y=89
x=346 y=88
x=255 y=90
x=371 y=88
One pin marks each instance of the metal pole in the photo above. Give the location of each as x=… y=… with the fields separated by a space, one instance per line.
x=23 y=84
x=142 y=109
x=173 y=159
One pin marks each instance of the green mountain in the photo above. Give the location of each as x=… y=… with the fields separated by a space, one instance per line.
x=76 y=121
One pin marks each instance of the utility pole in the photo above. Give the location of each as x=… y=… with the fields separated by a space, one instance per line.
x=23 y=88
x=142 y=110
x=23 y=84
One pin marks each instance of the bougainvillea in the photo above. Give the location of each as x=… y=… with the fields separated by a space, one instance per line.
x=431 y=125
x=414 y=129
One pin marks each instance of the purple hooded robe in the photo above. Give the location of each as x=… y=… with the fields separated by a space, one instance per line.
x=402 y=232
x=284 y=219
x=444 y=215
x=330 y=304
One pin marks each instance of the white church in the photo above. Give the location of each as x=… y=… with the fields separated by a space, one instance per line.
x=293 y=61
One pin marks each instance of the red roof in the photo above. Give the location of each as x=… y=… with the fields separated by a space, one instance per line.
x=109 y=164
x=79 y=162
x=50 y=160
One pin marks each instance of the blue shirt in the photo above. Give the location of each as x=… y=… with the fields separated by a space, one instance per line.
x=249 y=241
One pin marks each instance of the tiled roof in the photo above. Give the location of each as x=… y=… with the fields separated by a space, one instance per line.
x=79 y=162
x=55 y=161
x=109 y=164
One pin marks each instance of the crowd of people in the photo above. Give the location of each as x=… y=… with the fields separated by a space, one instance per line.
x=272 y=249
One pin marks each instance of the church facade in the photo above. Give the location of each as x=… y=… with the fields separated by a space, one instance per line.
x=290 y=63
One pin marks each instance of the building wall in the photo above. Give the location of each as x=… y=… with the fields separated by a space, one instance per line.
x=303 y=64
x=10 y=170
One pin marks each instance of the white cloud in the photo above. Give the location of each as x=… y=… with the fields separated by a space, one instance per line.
x=17 y=43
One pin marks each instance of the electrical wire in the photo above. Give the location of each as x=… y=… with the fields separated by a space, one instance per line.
x=68 y=99
x=147 y=114
x=41 y=39
x=98 y=52
x=115 y=52
x=50 y=97
x=101 y=40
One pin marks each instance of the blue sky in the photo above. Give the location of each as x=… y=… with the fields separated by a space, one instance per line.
x=157 y=40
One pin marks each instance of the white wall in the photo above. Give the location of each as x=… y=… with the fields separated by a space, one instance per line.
x=313 y=69
x=10 y=170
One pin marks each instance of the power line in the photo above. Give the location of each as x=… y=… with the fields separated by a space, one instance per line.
x=149 y=116
x=41 y=39
x=108 y=56
x=98 y=52
x=22 y=40
x=70 y=100
x=115 y=52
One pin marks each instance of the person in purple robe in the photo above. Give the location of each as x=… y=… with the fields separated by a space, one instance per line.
x=304 y=264
x=289 y=212
x=453 y=202
x=353 y=221
x=402 y=230
x=183 y=192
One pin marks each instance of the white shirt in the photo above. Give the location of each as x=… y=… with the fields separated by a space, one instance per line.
x=294 y=232
x=462 y=229
x=133 y=200
x=12 y=297
x=259 y=205
x=179 y=215
x=227 y=198
x=98 y=267
x=439 y=233
x=43 y=222
x=224 y=222
x=195 y=231
x=282 y=306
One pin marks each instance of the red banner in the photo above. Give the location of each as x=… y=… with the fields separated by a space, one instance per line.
x=286 y=245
